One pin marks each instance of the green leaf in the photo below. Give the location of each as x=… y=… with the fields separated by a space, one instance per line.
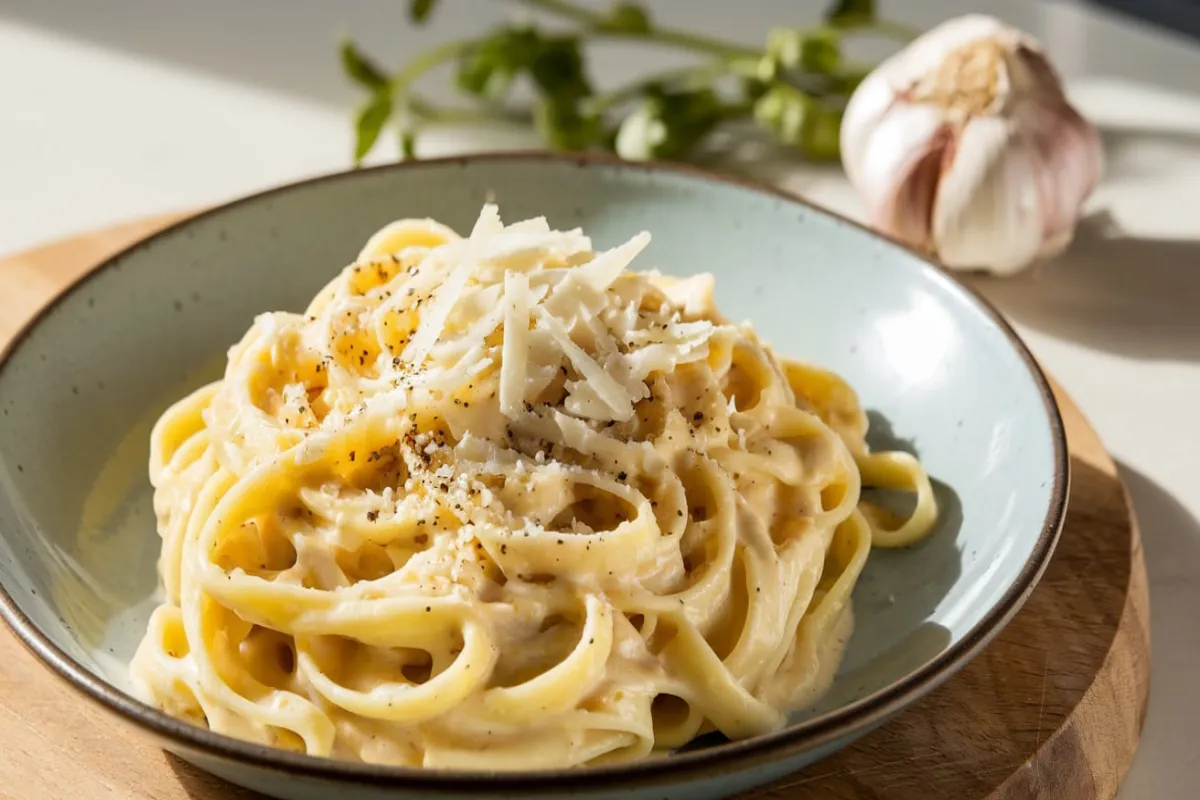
x=822 y=140
x=554 y=64
x=641 y=134
x=407 y=122
x=408 y=144
x=669 y=124
x=784 y=48
x=817 y=51
x=752 y=88
x=820 y=51
x=563 y=126
x=557 y=68
x=371 y=118
x=361 y=69
x=785 y=111
x=488 y=68
x=850 y=12
x=632 y=18
x=799 y=120
x=419 y=10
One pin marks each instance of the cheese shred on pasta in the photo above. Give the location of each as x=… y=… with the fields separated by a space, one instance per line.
x=496 y=502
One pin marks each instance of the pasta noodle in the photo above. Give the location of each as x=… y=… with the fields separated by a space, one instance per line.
x=496 y=502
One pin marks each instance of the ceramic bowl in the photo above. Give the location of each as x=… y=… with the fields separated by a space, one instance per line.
x=942 y=374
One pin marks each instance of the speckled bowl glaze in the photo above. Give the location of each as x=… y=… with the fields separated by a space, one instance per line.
x=940 y=372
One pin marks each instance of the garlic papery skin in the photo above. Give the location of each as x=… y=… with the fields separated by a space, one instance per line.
x=964 y=145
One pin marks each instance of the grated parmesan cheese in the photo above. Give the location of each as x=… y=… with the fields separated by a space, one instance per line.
x=434 y=319
x=515 y=353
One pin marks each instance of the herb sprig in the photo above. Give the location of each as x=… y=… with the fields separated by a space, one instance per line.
x=795 y=87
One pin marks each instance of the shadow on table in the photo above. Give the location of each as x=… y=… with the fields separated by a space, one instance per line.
x=1133 y=296
x=1171 y=541
x=1170 y=534
x=200 y=785
x=1125 y=149
x=1130 y=295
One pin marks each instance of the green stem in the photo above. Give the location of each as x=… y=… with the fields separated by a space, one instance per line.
x=736 y=110
x=677 y=38
x=690 y=41
x=428 y=60
x=431 y=112
x=434 y=57
x=731 y=59
x=607 y=100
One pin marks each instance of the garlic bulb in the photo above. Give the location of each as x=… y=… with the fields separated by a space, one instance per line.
x=964 y=145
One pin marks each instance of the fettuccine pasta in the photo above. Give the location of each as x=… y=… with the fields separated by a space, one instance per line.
x=497 y=502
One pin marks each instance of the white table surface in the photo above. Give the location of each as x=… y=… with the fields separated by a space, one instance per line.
x=130 y=107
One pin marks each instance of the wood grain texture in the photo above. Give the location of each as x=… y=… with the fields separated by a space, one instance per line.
x=1051 y=709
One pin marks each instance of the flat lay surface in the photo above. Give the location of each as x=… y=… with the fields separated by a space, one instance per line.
x=145 y=109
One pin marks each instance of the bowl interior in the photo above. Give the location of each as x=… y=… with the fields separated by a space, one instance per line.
x=79 y=392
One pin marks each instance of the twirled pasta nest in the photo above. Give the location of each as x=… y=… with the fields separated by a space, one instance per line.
x=496 y=502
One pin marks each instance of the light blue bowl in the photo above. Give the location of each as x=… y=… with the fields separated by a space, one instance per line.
x=82 y=384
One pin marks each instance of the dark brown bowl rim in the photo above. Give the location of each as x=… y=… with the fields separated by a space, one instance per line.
x=854 y=718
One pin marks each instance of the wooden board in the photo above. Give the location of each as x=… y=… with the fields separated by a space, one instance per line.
x=1051 y=709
